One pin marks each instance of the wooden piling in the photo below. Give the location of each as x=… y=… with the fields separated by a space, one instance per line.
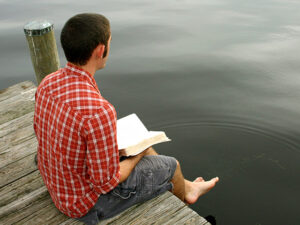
x=42 y=46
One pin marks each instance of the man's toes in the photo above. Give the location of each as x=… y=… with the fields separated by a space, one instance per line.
x=216 y=179
x=199 y=179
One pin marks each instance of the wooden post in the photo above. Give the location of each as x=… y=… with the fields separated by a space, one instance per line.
x=42 y=46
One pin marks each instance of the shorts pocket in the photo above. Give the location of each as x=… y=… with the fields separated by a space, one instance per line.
x=162 y=176
x=146 y=182
x=123 y=193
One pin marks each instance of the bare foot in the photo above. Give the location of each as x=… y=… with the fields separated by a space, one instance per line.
x=199 y=179
x=197 y=188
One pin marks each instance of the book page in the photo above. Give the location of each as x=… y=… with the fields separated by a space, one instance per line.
x=153 y=137
x=130 y=131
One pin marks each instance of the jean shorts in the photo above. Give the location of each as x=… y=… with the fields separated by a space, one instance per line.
x=150 y=178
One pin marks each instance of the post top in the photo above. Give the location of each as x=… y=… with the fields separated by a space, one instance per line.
x=38 y=27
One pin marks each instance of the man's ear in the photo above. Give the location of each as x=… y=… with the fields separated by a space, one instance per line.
x=99 y=51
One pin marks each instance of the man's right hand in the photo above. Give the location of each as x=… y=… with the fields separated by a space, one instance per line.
x=128 y=164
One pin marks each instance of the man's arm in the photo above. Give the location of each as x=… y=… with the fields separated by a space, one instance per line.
x=127 y=165
x=102 y=155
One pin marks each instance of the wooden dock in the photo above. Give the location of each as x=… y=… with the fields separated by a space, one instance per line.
x=23 y=197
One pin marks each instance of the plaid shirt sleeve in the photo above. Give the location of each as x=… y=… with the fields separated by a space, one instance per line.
x=102 y=150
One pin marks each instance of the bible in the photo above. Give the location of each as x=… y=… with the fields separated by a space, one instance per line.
x=133 y=137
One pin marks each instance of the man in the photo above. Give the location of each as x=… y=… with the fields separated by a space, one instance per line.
x=75 y=126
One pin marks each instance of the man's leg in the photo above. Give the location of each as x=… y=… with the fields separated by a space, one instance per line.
x=186 y=190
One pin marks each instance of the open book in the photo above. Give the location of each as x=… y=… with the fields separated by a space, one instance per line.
x=133 y=137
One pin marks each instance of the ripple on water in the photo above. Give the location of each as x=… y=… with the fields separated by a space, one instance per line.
x=253 y=128
x=258 y=168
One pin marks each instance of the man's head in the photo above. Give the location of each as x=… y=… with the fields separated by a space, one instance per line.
x=82 y=34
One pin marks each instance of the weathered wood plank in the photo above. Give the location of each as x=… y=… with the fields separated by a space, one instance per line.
x=71 y=222
x=17 y=170
x=27 y=94
x=10 y=127
x=140 y=214
x=17 y=152
x=166 y=210
x=23 y=202
x=51 y=215
x=28 y=210
x=102 y=222
x=161 y=213
x=18 y=137
x=20 y=188
x=15 y=90
x=185 y=216
x=17 y=106
x=46 y=215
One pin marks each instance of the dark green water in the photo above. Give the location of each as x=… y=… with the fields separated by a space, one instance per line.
x=221 y=78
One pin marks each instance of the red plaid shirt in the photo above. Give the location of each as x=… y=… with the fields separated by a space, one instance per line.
x=75 y=127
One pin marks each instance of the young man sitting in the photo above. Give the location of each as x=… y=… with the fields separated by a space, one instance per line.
x=75 y=126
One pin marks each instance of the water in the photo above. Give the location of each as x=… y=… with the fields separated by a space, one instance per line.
x=219 y=77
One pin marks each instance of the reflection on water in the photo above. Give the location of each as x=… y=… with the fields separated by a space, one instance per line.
x=276 y=137
x=220 y=77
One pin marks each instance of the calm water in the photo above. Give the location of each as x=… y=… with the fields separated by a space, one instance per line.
x=221 y=78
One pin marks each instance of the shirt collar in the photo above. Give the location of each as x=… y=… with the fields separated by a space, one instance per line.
x=81 y=72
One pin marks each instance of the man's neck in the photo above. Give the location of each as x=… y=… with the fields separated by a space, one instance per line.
x=89 y=68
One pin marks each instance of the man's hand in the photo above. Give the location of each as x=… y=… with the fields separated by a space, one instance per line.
x=128 y=164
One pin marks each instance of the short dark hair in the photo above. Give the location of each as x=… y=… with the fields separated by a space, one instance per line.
x=81 y=34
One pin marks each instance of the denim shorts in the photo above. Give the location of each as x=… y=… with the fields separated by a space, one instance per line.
x=149 y=178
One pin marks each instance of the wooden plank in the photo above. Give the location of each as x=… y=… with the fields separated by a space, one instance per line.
x=167 y=210
x=52 y=216
x=140 y=214
x=26 y=211
x=158 y=213
x=17 y=152
x=20 y=188
x=186 y=216
x=10 y=127
x=15 y=89
x=71 y=222
x=17 y=170
x=23 y=202
x=49 y=214
x=46 y=215
x=16 y=138
x=17 y=105
x=27 y=94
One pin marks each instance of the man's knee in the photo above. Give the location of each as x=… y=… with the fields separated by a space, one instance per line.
x=177 y=169
x=178 y=164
